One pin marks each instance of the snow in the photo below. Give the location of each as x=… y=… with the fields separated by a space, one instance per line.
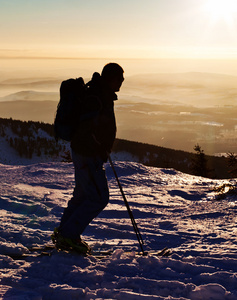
x=172 y=209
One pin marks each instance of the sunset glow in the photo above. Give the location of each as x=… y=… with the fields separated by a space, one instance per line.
x=222 y=10
x=121 y=29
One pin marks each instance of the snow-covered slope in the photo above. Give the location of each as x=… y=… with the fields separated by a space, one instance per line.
x=171 y=209
x=35 y=136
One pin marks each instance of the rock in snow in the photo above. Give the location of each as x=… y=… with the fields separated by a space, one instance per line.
x=172 y=209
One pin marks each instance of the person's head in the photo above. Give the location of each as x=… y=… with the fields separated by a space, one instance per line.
x=112 y=75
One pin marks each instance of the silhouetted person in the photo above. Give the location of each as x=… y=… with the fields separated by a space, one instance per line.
x=90 y=146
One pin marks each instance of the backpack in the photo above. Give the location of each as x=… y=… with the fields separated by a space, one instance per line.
x=72 y=93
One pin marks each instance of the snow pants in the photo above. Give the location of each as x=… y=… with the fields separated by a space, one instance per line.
x=90 y=196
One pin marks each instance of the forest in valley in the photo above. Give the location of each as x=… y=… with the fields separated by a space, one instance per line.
x=30 y=139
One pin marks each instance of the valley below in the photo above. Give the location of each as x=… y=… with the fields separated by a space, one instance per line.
x=176 y=110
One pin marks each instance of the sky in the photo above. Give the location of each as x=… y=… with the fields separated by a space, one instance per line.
x=122 y=29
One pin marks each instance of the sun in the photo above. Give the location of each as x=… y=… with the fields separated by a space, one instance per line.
x=221 y=10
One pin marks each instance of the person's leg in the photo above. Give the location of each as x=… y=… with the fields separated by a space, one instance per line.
x=90 y=196
x=79 y=193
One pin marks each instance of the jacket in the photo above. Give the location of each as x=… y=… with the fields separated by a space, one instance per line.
x=96 y=132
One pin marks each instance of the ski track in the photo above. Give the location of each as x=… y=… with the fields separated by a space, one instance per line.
x=171 y=209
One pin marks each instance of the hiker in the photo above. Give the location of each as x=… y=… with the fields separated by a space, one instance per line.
x=90 y=146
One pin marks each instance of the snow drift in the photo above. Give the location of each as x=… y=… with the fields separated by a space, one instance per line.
x=172 y=209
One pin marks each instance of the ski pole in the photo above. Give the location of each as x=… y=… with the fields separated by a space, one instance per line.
x=139 y=237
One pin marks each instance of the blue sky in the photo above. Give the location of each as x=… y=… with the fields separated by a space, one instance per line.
x=124 y=28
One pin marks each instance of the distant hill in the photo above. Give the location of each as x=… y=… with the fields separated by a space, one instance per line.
x=30 y=96
x=27 y=142
x=172 y=110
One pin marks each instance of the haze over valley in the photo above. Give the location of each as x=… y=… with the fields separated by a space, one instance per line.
x=170 y=109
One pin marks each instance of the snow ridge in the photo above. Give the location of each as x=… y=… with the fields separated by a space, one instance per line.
x=171 y=208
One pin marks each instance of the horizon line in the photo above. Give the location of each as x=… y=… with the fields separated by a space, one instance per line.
x=117 y=58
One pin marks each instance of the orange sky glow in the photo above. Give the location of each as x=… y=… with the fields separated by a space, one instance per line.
x=121 y=29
